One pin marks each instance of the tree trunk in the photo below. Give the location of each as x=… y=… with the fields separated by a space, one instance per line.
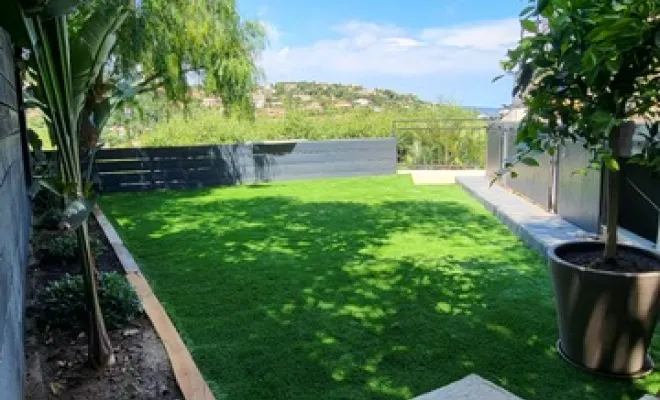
x=99 y=347
x=613 y=194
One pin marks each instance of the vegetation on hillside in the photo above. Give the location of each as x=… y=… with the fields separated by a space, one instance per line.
x=446 y=135
x=153 y=121
x=321 y=96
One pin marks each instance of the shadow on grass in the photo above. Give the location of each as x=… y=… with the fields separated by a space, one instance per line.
x=286 y=299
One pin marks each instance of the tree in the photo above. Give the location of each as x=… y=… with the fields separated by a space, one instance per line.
x=584 y=77
x=89 y=63
x=169 y=44
x=63 y=67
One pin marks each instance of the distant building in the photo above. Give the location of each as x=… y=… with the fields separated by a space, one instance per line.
x=275 y=112
x=210 y=102
x=343 y=104
x=362 y=102
x=314 y=107
x=303 y=97
x=259 y=100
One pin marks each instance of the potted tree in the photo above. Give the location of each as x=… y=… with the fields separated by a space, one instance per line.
x=585 y=73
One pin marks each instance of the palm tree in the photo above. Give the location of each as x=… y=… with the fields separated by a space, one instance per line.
x=64 y=67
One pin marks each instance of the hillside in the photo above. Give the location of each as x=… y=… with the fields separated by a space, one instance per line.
x=318 y=96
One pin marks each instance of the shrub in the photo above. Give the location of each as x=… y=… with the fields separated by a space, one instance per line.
x=451 y=143
x=62 y=303
x=48 y=219
x=64 y=248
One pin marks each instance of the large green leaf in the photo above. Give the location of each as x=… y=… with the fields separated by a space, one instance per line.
x=529 y=25
x=90 y=50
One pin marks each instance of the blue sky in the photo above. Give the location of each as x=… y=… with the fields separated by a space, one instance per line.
x=437 y=49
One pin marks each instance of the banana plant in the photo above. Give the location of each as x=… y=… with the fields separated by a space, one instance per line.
x=64 y=67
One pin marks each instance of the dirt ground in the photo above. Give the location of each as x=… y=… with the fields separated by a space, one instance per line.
x=56 y=367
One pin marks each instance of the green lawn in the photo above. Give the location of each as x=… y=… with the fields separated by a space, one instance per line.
x=367 y=288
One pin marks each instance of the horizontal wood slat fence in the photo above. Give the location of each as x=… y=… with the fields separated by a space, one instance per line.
x=125 y=170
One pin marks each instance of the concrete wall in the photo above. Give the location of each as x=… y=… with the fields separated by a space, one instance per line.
x=579 y=197
x=14 y=231
x=533 y=183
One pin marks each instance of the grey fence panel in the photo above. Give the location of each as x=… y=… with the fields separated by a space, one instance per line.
x=534 y=183
x=202 y=166
x=494 y=150
x=636 y=213
x=14 y=230
x=578 y=196
x=318 y=159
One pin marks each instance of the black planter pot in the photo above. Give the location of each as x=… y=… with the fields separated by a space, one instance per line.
x=606 y=319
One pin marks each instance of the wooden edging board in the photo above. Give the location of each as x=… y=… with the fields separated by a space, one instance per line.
x=189 y=378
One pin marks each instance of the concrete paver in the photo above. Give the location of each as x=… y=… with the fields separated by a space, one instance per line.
x=472 y=387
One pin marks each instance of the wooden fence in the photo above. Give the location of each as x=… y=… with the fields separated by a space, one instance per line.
x=124 y=170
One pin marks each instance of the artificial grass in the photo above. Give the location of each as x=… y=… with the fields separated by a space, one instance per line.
x=367 y=288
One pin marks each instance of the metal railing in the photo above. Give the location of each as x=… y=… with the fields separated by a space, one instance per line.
x=441 y=143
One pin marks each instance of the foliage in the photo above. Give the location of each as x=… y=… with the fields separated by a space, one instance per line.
x=169 y=43
x=48 y=218
x=368 y=288
x=446 y=142
x=592 y=67
x=331 y=93
x=61 y=304
x=62 y=67
x=64 y=247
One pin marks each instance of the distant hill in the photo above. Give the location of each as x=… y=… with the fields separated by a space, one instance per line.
x=318 y=96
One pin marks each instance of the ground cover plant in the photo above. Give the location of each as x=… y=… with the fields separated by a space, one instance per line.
x=366 y=288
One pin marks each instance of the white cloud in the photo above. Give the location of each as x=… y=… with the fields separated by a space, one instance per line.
x=272 y=32
x=403 y=42
x=367 y=28
x=489 y=36
x=364 y=49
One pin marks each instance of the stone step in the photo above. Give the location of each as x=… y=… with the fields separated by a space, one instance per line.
x=472 y=387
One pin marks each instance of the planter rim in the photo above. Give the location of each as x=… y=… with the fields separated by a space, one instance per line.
x=552 y=254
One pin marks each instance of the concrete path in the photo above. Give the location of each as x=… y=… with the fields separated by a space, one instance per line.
x=535 y=226
x=472 y=387
x=440 y=177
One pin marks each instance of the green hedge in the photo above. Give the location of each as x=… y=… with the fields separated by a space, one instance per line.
x=458 y=146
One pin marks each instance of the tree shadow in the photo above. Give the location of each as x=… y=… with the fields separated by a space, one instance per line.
x=278 y=297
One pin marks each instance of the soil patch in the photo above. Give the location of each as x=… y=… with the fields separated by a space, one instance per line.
x=56 y=362
x=626 y=261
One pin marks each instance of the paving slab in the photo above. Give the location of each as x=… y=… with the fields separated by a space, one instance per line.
x=442 y=177
x=472 y=387
x=538 y=228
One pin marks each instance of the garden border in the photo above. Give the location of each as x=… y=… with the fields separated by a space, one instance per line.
x=187 y=374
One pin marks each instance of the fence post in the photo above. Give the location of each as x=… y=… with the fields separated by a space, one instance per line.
x=505 y=154
x=554 y=187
